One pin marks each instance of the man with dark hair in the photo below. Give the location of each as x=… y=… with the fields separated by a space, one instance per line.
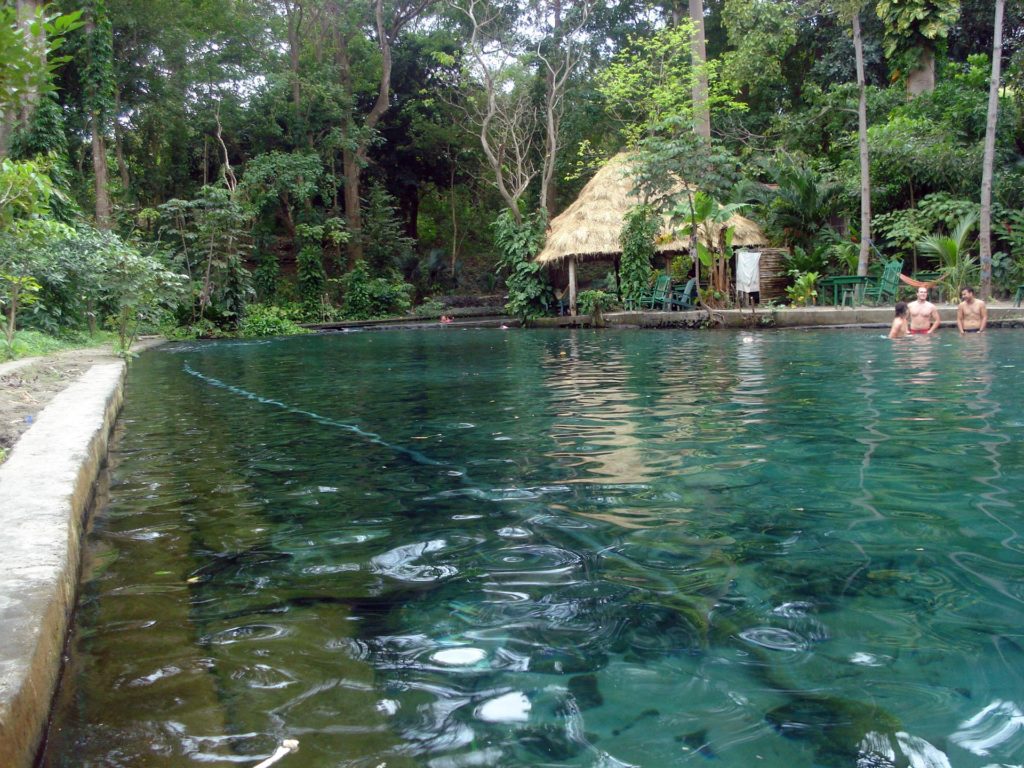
x=971 y=314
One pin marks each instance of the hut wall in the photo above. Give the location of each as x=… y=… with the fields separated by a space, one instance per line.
x=773 y=273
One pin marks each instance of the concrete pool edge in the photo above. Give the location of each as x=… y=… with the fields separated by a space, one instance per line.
x=766 y=318
x=46 y=487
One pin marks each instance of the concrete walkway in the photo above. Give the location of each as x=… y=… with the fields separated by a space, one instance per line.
x=46 y=487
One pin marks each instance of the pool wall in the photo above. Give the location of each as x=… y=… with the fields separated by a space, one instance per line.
x=46 y=488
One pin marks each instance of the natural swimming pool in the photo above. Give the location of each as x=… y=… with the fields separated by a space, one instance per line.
x=463 y=548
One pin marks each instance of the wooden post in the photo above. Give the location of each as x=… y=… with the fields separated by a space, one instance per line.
x=572 y=286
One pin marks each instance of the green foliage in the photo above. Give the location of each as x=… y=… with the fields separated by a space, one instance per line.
x=675 y=154
x=802 y=204
x=595 y=303
x=803 y=292
x=24 y=73
x=286 y=179
x=902 y=230
x=385 y=246
x=761 y=34
x=30 y=343
x=912 y=26
x=25 y=226
x=529 y=295
x=208 y=239
x=266 y=276
x=138 y=288
x=639 y=230
x=651 y=80
x=312 y=278
x=956 y=266
x=98 y=65
x=365 y=296
x=267 y=320
x=430 y=308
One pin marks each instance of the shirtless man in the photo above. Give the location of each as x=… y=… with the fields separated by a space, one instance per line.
x=971 y=314
x=924 y=317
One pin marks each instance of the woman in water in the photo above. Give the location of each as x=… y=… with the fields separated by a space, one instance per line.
x=900 y=325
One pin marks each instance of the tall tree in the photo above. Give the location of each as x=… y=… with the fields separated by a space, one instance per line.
x=358 y=132
x=28 y=39
x=701 y=113
x=913 y=31
x=862 y=143
x=990 y=152
x=560 y=52
x=98 y=79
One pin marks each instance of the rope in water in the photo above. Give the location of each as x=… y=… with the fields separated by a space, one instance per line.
x=286 y=747
x=416 y=456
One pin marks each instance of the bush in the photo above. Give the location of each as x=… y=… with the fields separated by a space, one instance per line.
x=268 y=320
x=430 y=308
x=365 y=297
x=529 y=295
x=595 y=304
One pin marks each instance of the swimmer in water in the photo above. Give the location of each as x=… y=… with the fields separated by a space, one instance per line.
x=899 y=327
x=924 y=317
x=971 y=314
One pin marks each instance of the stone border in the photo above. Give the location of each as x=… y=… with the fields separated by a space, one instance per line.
x=768 y=318
x=46 y=487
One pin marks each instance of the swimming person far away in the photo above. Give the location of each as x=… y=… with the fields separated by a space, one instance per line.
x=971 y=314
x=924 y=317
x=899 y=327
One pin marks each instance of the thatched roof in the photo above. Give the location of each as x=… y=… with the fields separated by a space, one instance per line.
x=590 y=227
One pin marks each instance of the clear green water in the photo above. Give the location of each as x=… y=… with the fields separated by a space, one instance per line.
x=464 y=548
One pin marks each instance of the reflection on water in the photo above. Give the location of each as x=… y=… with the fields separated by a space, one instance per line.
x=595 y=549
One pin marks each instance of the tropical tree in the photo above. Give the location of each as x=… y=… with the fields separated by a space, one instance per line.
x=25 y=225
x=359 y=130
x=956 y=265
x=705 y=221
x=913 y=31
x=989 y=158
x=29 y=37
x=802 y=204
x=862 y=143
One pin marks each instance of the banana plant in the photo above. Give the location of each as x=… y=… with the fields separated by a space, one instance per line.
x=704 y=221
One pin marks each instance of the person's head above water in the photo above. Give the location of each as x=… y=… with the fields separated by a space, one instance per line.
x=922 y=294
x=901 y=308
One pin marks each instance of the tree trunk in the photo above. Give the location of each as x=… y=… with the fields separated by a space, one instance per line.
x=122 y=164
x=26 y=13
x=701 y=113
x=353 y=209
x=865 y=166
x=922 y=78
x=990 y=152
x=101 y=176
x=352 y=159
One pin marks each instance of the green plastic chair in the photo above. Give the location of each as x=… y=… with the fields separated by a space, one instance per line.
x=884 y=291
x=659 y=294
x=684 y=299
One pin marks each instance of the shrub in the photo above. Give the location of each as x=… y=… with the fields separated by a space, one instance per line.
x=365 y=296
x=268 y=320
x=529 y=295
x=595 y=304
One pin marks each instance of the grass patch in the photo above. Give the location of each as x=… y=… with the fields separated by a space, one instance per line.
x=36 y=344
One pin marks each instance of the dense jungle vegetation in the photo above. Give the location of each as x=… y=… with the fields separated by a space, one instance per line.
x=235 y=166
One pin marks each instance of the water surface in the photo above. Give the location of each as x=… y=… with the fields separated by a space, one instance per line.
x=476 y=547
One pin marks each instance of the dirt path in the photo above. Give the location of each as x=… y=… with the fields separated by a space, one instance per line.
x=26 y=386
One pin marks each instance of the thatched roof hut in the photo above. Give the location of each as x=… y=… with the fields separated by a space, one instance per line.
x=590 y=227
